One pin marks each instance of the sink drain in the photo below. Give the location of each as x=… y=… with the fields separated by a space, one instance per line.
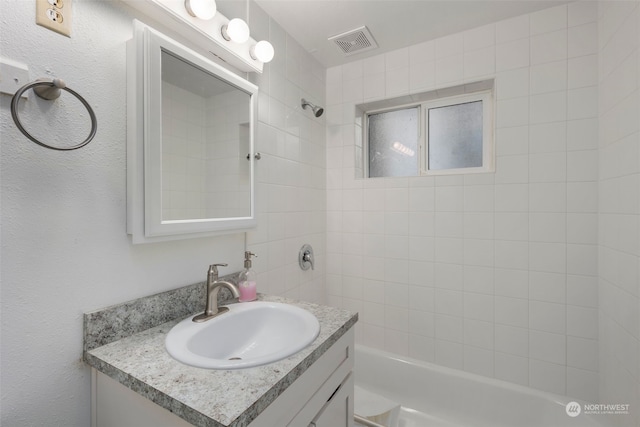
x=235 y=358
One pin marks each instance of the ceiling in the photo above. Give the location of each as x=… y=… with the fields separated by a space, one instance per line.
x=393 y=23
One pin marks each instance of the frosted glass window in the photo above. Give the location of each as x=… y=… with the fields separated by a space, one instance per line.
x=442 y=135
x=393 y=143
x=455 y=134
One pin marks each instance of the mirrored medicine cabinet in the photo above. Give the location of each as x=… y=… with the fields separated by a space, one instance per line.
x=190 y=127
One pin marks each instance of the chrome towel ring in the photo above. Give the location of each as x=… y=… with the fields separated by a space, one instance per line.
x=50 y=89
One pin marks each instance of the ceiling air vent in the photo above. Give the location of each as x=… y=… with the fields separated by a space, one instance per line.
x=355 y=41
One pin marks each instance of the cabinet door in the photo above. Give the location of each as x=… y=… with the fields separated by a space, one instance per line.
x=114 y=405
x=338 y=411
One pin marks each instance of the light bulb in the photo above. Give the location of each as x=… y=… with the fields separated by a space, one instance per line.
x=262 y=51
x=236 y=30
x=203 y=9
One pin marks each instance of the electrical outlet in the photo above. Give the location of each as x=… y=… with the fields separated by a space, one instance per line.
x=54 y=15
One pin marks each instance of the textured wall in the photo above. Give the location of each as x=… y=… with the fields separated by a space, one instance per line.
x=64 y=245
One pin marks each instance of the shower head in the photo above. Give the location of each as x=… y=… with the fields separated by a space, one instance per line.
x=317 y=111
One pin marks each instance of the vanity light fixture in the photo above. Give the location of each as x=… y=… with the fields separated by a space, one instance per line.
x=202 y=24
x=262 y=51
x=203 y=9
x=236 y=30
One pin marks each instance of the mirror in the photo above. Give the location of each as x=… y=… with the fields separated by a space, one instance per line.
x=205 y=143
x=190 y=142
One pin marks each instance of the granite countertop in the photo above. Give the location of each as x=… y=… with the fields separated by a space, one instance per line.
x=205 y=397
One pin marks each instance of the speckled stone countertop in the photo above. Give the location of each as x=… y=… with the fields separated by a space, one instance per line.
x=203 y=397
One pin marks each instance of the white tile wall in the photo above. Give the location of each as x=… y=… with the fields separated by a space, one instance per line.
x=494 y=274
x=618 y=317
x=291 y=177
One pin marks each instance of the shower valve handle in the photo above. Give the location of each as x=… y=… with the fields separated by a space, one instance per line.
x=305 y=257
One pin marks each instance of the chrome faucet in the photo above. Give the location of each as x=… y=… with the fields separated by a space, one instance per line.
x=213 y=287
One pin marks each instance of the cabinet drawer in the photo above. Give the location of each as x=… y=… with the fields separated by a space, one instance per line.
x=338 y=411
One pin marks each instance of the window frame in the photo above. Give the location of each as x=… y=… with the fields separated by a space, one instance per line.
x=488 y=144
x=488 y=149
x=365 y=133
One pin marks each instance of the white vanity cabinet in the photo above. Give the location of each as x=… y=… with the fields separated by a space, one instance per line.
x=318 y=392
x=322 y=396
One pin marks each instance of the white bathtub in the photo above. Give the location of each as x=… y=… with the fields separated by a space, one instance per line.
x=436 y=396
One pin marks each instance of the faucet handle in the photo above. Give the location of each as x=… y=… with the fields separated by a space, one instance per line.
x=213 y=269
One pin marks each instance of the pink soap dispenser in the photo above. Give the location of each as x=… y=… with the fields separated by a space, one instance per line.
x=247 y=280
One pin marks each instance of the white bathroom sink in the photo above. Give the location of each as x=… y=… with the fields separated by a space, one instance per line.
x=249 y=334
